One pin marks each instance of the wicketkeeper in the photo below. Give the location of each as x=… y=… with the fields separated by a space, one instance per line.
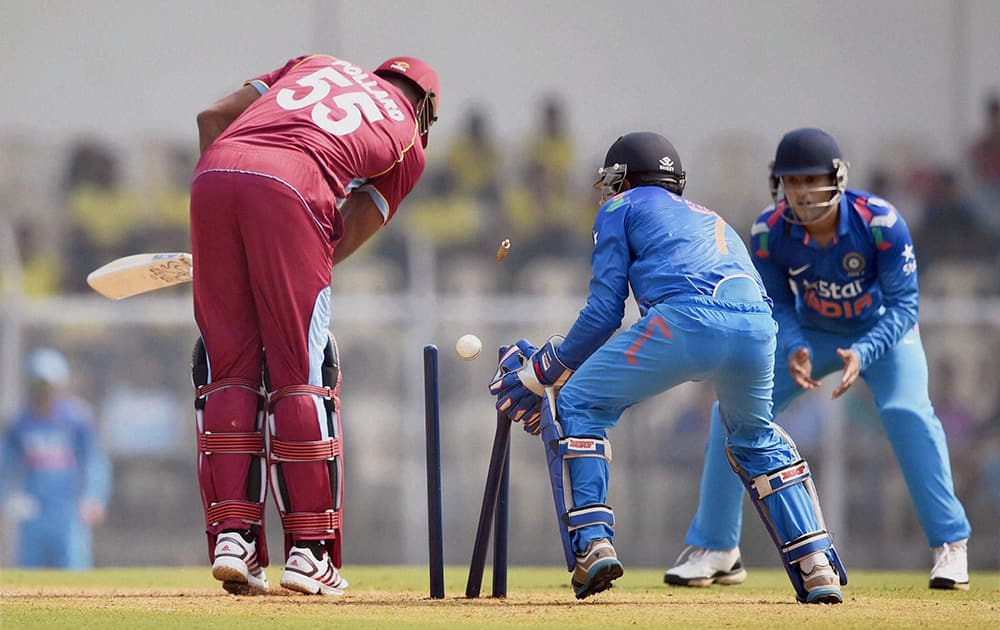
x=705 y=316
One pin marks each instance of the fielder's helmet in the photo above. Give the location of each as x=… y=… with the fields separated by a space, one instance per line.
x=805 y=152
x=809 y=151
x=423 y=76
x=643 y=158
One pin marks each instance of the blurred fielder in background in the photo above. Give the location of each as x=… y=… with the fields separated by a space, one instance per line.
x=705 y=316
x=298 y=169
x=55 y=479
x=840 y=267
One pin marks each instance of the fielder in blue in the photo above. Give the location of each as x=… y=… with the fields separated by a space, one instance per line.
x=705 y=316
x=55 y=478
x=840 y=267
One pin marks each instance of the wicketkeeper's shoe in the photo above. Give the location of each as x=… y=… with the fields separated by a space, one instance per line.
x=236 y=565
x=820 y=579
x=596 y=569
x=307 y=573
x=697 y=566
x=951 y=566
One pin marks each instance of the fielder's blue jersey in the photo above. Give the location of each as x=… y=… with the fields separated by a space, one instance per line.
x=665 y=247
x=55 y=459
x=864 y=281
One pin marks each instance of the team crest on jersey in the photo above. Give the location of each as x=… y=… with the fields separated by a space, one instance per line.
x=854 y=264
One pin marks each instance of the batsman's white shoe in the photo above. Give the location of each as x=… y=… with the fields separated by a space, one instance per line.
x=236 y=565
x=820 y=579
x=697 y=566
x=596 y=569
x=307 y=574
x=951 y=566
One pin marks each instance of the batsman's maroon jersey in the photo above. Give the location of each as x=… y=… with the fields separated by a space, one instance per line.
x=358 y=128
x=265 y=222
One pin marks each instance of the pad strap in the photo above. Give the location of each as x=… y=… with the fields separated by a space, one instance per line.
x=222 y=383
x=247 y=443
x=246 y=511
x=312 y=522
x=300 y=390
x=593 y=514
x=311 y=451
x=572 y=447
x=806 y=545
x=766 y=485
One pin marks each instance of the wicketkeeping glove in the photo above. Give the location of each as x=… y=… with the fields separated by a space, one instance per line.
x=545 y=368
x=513 y=398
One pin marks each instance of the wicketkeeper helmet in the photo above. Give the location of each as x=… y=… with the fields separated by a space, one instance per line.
x=643 y=158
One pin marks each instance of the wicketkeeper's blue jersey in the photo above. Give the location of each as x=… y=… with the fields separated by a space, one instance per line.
x=666 y=247
x=865 y=280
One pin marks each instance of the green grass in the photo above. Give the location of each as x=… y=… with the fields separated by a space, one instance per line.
x=397 y=598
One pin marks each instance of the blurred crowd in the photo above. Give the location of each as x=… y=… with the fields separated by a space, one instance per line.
x=480 y=188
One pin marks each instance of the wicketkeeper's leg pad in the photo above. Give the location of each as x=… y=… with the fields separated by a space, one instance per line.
x=229 y=416
x=309 y=472
x=760 y=487
x=559 y=449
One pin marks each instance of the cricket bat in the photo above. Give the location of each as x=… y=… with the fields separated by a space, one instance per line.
x=140 y=273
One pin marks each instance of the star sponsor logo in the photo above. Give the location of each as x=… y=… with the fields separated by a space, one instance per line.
x=834 y=290
x=834 y=300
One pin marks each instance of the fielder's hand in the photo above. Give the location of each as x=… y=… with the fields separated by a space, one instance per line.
x=91 y=511
x=800 y=367
x=852 y=367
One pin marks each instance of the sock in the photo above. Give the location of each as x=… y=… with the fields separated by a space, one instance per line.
x=316 y=546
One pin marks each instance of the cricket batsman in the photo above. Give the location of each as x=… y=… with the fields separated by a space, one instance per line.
x=299 y=167
x=704 y=316
x=840 y=267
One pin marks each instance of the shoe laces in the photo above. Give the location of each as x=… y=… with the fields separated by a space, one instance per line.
x=690 y=553
x=947 y=553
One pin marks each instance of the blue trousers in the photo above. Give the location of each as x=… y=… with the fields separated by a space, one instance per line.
x=58 y=541
x=731 y=344
x=898 y=381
